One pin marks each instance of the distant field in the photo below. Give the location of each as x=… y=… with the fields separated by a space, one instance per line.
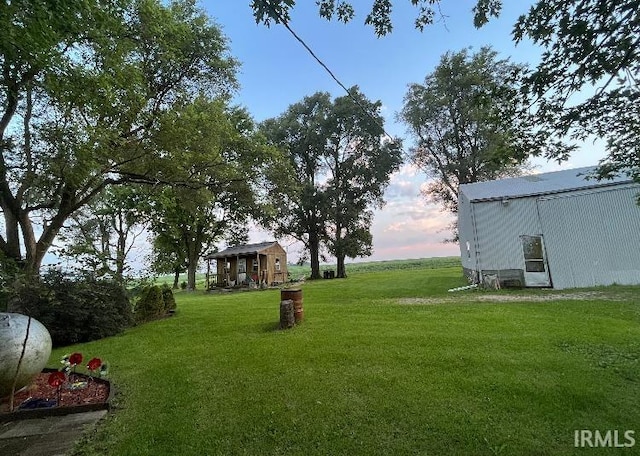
x=371 y=266
x=297 y=272
x=386 y=363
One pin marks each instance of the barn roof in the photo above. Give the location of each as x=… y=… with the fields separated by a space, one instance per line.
x=245 y=249
x=537 y=184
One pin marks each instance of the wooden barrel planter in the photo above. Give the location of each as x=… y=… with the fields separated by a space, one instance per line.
x=296 y=297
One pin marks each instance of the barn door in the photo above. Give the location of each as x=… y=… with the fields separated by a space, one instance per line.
x=536 y=270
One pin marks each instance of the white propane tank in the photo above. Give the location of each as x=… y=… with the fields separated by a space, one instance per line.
x=13 y=331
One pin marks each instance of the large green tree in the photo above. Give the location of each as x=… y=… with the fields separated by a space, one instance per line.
x=343 y=162
x=83 y=85
x=301 y=211
x=186 y=224
x=207 y=142
x=469 y=124
x=586 y=83
x=360 y=159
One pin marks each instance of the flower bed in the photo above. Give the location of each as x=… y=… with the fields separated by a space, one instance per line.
x=60 y=392
x=95 y=396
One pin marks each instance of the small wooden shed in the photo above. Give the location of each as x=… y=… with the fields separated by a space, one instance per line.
x=264 y=263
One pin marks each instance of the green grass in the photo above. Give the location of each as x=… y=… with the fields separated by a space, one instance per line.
x=374 y=372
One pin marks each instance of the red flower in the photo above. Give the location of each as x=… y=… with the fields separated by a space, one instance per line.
x=94 y=363
x=56 y=379
x=75 y=359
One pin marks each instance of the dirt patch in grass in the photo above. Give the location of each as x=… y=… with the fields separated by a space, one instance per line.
x=510 y=297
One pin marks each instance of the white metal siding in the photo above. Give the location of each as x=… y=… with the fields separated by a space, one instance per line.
x=592 y=238
x=499 y=225
x=465 y=233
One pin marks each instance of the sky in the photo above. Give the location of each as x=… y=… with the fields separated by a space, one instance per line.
x=276 y=71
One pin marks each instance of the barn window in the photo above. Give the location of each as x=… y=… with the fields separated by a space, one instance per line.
x=468 y=250
x=255 y=265
x=277 y=264
x=242 y=266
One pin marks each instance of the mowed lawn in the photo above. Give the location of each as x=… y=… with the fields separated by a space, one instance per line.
x=386 y=363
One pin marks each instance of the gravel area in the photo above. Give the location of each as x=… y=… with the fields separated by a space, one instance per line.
x=510 y=297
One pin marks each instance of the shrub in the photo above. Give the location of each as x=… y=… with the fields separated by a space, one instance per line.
x=183 y=285
x=74 y=310
x=168 y=299
x=150 y=304
x=136 y=289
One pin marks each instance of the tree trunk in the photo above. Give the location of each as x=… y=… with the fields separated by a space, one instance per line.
x=176 y=278
x=193 y=254
x=121 y=255
x=341 y=272
x=12 y=245
x=314 y=253
x=191 y=274
x=37 y=249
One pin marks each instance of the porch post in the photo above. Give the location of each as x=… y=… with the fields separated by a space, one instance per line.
x=267 y=269
x=208 y=271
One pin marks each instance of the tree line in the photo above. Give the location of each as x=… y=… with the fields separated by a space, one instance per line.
x=117 y=120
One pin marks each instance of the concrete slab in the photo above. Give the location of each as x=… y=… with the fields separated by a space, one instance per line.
x=50 y=436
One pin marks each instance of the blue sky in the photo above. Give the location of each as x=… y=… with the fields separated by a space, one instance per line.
x=277 y=71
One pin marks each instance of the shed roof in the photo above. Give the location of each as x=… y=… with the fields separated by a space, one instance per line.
x=538 y=184
x=245 y=249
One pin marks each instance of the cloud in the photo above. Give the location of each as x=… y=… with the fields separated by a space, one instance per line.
x=411 y=228
x=405 y=171
x=401 y=189
x=414 y=250
x=404 y=185
x=415 y=225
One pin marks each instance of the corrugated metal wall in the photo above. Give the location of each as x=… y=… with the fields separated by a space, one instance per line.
x=465 y=233
x=592 y=238
x=499 y=225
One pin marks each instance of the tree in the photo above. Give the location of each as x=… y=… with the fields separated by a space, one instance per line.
x=469 y=124
x=360 y=160
x=187 y=223
x=586 y=82
x=102 y=234
x=300 y=213
x=82 y=86
x=168 y=256
x=208 y=142
x=342 y=166
x=379 y=16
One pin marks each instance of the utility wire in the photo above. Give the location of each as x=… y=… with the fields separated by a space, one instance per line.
x=284 y=22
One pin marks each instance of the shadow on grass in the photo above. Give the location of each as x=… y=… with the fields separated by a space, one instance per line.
x=269 y=327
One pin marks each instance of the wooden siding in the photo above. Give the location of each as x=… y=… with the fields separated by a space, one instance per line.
x=239 y=269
